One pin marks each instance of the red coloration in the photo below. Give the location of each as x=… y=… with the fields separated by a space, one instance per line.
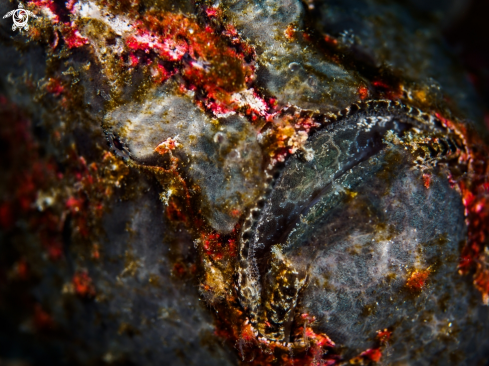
x=384 y=335
x=70 y=4
x=233 y=326
x=48 y=5
x=427 y=180
x=363 y=92
x=6 y=216
x=373 y=354
x=74 y=204
x=213 y=12
x=380 y=85
x=473 y=188
x=174 y=212
x=290 y=32
x=212 y=246
x=232 y=247
x=179 y=269
x=481 y=281
x=95 y=252
x=134 y=60
x=417 y=280
x=21 y=269
x=212 y=66
x=389 y=91
x=247 y=333
x=42 y=320
x=308 y=318
x=167 y=146
x=83 y=285
x=54 y=86
x=320 y=340
x=330 y=40
x=306 y=37
x=72 y=36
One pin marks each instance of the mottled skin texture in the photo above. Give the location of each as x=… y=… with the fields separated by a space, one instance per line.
x=350 y=227
x=264 y=182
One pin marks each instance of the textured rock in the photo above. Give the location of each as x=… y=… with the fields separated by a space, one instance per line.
x=267 y=183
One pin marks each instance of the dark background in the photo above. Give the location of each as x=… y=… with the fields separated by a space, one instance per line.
x=466 y=29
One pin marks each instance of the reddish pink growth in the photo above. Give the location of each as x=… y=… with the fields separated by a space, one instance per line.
x=232 y=247
x=134 y=60
x=159 y=74
x=49 y=7
x=321 y=340
x=231 y=32
x=212 y=246
x=427 y=180
x=390 y=91
x=217 y=107
x=74 y=204
x=54 y=86
x=83 y=284
x=212 y=12
x=72 y=36
x=171 y=49
x=308 y=318
x=70 y=4
x=212 y=65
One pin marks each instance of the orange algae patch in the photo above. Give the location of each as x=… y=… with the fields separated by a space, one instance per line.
x=289 y=32
x=83 y=284
x=426 y=180
x=363 y=92
x=417 y=280
x=372 y=354
x=167 y=146
x=384 y=335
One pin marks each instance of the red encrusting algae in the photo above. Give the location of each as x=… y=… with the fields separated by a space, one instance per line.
x=473 y=187
x=417 y=280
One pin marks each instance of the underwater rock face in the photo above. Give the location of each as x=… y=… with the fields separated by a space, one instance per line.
x=359 y=235
x=222 y=155
x=241 y=182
